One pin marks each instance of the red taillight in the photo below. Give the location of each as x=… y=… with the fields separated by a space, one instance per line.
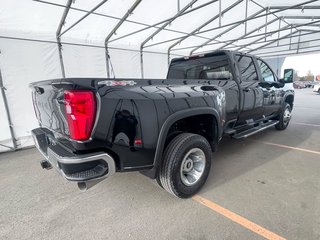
x=80 y=108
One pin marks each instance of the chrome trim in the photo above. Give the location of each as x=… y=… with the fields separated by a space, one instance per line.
x=54 y=159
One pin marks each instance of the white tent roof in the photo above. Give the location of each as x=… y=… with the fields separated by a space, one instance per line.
x=233 y=18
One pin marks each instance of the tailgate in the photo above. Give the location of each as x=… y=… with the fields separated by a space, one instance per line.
x=48 y=101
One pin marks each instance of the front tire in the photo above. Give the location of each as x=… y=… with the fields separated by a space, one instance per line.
x=186 y=165
x=284 y=117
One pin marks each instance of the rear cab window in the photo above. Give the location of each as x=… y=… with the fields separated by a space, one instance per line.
x=213 y=67
x=247 y=68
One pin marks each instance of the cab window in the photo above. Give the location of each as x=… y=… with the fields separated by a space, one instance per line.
x=213 y=67
x=266 y=72
x=247 y=68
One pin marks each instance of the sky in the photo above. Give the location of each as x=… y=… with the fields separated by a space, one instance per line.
x=303 y=63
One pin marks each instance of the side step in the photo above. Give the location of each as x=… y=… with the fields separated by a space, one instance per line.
x=256 y=129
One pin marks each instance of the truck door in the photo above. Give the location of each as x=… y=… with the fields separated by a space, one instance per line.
x=272 y=95
x=251 y=92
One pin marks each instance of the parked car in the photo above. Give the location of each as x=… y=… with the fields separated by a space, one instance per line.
x=316 y=88
x=299 y=85
x=165 y=128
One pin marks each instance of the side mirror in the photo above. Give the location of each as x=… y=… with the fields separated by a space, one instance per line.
x=265 y=84
x=281 y=83
x=288 y=75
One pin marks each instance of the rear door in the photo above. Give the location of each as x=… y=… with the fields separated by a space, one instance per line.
x=272 y=95
x=252 y=94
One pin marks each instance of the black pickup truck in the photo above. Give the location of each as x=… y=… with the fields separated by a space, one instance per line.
x=165 y=128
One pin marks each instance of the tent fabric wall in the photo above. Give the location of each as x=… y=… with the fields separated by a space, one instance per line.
x=21 y=63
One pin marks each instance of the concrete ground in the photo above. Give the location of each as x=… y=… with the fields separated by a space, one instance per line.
x=271 y=179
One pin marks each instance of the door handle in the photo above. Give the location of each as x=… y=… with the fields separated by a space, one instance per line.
x=247 y=89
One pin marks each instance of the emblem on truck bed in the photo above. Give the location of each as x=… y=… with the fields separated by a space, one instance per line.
x=117 y=83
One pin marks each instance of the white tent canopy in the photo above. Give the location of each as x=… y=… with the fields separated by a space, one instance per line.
x=50 y=39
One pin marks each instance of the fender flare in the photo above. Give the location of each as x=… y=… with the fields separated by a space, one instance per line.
x=152 y=173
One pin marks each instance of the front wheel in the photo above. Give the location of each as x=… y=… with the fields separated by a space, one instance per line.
x=284 y=117
x=186 y=165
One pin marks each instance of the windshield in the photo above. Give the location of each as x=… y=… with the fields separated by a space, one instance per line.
x=215 y=67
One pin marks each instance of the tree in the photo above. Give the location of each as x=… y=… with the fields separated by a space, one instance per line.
x=309 y=76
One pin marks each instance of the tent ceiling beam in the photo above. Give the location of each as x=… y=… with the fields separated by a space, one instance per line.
x=232 y=23
x=83 y=17
x=291 y=36
x=230 y=41
x=204 y=25
x=301 y=17
x=288 y=50
x=297 y=7
x=274 y=40
x=264 y=37
x=180 y=12
x=223 y=32
x=290 y=54
x=166 y=20
x=168 y=23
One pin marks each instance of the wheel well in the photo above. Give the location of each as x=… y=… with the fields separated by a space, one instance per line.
x=289 y=99
x=204 y=125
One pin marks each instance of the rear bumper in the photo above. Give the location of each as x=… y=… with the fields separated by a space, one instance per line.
x=73 y=167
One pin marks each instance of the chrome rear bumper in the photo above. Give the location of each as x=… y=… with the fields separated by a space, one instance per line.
x=73 y=167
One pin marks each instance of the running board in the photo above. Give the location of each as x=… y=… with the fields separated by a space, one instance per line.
x=255 y=130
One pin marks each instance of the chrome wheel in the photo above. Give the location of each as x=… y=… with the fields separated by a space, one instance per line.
x=192 y=166
x=286 y=116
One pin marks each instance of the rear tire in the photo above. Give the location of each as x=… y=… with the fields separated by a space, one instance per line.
x=284 y=117
x=186 y=165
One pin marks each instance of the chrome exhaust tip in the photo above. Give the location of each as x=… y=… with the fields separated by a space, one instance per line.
x=84 y=186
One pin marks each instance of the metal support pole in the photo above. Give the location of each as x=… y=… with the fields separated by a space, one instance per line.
x=220 y=15
x=62 y=21
x=246 y=23
x=298 y=42
x=6 y=106
x=113 y=31
x=266 y=27
x=290 y=40
x=279 y=31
